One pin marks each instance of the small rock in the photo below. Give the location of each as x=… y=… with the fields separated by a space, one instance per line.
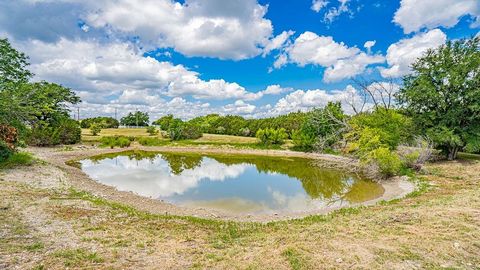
x=339 y=260
x=456 y=245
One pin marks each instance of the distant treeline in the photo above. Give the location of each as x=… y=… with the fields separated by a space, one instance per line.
x=102 y=122
x=237 y=125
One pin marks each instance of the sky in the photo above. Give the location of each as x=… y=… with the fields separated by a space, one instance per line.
x=244 y=57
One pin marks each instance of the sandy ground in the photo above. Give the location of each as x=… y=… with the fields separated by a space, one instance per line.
x=394 y=188
x=44 y=224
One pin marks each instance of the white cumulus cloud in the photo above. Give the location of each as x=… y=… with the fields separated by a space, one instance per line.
x=414 y=15
x=402 y=54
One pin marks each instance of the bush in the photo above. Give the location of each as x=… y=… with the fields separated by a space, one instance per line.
x=184 y=131
x=8 y=141
x=17 y=159
x=43 y=135
x=66 y=131
x=69 y=131
x=387 y=162
x=95 y=129
x=148 y=141
x=270 y=136
x=302 y=141
x=152 y=130
x=115 y=141
x=102 y=122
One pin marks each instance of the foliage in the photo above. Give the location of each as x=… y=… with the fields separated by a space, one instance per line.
x=13 y=65
x=414 y=156
x=322 y=128
x=95 y=129
x=115 y=141
x=443 y=95
x=102 y=122
x=387 y=161
x=379 y=128
x=303 y=141
x=180 y=130
x=164 y=122
x=137 y=118
x=17 y=159
x=152 y=130
x=151 y=141
x=69 y=131
x=63 y=131
x=270 y=136
x=8 y=141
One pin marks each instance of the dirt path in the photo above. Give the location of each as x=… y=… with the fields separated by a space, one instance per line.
x=46 y=225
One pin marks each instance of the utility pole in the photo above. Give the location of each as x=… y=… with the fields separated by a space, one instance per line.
x=78 y=113
x=116 y=113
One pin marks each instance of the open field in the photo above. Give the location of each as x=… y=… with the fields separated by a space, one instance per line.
x=46 y=224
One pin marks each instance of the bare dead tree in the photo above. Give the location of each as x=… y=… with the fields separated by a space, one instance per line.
x=378 y=93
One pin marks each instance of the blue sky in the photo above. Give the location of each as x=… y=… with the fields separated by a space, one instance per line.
x=247 y=57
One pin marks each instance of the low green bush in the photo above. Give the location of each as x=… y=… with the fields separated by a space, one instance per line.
x=149 y=141
x=387 y=161
x=184 y=131
x=95 y=129
x=69 y=131
x=17 y=159
x=115 y=141
x=272 y=136
x=152 y=130
x=302 y=141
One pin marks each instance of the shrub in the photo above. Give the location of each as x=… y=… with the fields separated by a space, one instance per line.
x=115 y=141
x=17 y=159
x=387 y=162
x=8 y=141
x=244 y=131
x=184 y=131
x=270 y=136
x=69 y=131
x=148 y=141
x=95 y=129
x=66 y=131
x=43 y=135
x=416 y=154
x=103 y=122
x=302 y=141
x=152 y=130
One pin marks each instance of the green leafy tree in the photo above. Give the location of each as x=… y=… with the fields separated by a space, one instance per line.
x=95 y=129
x=102 y=122
x=137 y=118
x=164 y=122
x=443 y=95
x=13 y=65
x=271 y=136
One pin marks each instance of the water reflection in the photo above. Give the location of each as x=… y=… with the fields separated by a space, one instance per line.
x=240 y=184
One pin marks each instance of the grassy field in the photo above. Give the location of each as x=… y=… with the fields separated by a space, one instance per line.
x=55 y=228
x=206 y=139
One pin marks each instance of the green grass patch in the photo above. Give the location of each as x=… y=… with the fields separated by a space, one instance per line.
x=295 y=259
x=116 y=141
x=74 y=257
x=17 y=159
x=152 y=141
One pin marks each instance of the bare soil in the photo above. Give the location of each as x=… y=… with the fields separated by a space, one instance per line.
x=47 y=223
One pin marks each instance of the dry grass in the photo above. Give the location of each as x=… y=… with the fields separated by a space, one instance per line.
x=135 y=132
x=436 y=229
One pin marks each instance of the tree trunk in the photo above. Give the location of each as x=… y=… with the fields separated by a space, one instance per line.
x=452 y=153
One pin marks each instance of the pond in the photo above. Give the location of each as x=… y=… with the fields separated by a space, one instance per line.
x=235 y=184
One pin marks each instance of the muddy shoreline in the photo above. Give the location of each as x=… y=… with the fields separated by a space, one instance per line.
x=395 y=188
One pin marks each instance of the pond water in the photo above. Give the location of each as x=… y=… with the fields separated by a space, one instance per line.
x=231 y=183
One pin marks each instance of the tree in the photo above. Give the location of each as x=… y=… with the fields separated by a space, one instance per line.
x=164 y=122
x=137 y=118
x=41 y=109
x=443 y=95
x=13 y=65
